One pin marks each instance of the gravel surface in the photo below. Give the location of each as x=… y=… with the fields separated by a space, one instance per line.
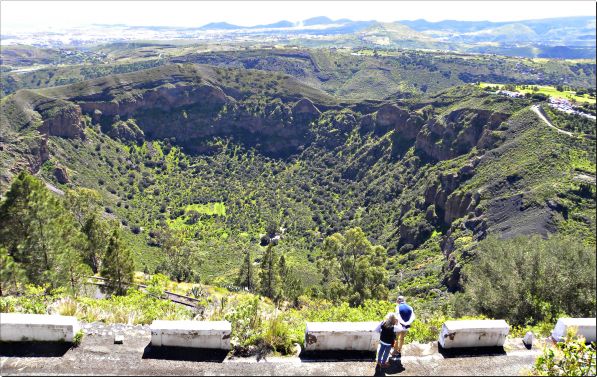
x=98 y=355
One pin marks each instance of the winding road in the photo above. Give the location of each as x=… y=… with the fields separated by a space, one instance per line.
x=541 y=115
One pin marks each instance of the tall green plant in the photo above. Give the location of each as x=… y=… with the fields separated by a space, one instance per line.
x=269 y=276
x=38 y=232
x=246 y=275
x=12 y=275
x=352 y=268
x=117 y=265
x=291 y=287
x=97 y=232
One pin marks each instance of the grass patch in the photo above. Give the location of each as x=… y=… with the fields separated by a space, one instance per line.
x=549 y=90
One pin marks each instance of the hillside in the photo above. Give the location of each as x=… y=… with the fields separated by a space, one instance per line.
x=359 y=74
x=222 y=155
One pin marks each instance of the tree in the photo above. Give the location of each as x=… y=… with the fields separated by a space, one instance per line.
x=246 y=277
x=37 y=230
x=97 y=232
x=269 y=275
x=12 y=275
x=71 y=271
x=181 y=261
x=291 y=286
x=83 y=203
x=526 y=280
x=352 y=268
x=117 y=265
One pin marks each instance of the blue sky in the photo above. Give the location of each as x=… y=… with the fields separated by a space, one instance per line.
x=58 y=14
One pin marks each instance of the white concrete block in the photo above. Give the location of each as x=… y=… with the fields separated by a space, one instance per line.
x=528 y=339
x=584 y=326
x=348 y=336
x=192 y=334
x=118 y=339
x=17 y=327
x=473 y=333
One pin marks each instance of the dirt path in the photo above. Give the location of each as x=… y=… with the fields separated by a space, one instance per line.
x=539 y=112
x=97 y=355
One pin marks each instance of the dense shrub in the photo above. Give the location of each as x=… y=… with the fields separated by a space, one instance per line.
x=528 y=280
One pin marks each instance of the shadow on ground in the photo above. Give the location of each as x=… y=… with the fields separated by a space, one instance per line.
x=184 y=354
x=335 y=356
x=395 y=367
x=34 y=349
x=471 y=352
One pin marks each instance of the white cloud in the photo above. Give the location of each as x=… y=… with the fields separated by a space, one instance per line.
x=60 y=14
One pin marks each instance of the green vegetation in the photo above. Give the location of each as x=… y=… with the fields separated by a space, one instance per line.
x=133 y=308
x=275 y=203
x=578 y=95
x=78 y=338
x=117 y=265
x=572 y=357
x=367 y=75
x=570 y=122
x=40 y=235
x=352 y=268
x=43 y=243
x=529 y=280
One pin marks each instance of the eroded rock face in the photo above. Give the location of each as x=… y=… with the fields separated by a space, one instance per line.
x=163 y=98
x=459 y=204
x=194 y=114
x=450 y=205
x=390 y=117
x=61 y=175
x=128 y=131
x=458 y=133
x=64 y=121
x=305 y=110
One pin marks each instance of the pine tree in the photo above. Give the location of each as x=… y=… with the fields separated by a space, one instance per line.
x=291 y=286
x=117 y=265
x=83 y=204
x=97 y=232
x=246 y=275
x=71 y=272
x=37 y=230
x=269 y=275
x=12 y=275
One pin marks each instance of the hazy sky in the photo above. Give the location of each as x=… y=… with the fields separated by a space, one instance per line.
x=37 y=15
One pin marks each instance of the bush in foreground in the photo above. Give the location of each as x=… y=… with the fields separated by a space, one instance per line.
x=572 y=357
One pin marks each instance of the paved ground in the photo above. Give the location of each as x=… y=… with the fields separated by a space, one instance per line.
x=97 y=355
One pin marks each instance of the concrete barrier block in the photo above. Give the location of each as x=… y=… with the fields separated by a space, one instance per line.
x=473 y=333
x=191 y=334
x=17 y=327
x=348 y=336
x=584 y=326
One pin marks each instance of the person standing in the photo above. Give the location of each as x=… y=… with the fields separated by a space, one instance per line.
x=405 y=316
x=387 y=329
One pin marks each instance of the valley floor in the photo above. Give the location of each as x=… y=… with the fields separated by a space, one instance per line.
x=97 y=355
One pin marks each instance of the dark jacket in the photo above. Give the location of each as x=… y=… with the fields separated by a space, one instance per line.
x=388 y=334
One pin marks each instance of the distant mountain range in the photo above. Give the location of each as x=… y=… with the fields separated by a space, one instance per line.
x=568 y=37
